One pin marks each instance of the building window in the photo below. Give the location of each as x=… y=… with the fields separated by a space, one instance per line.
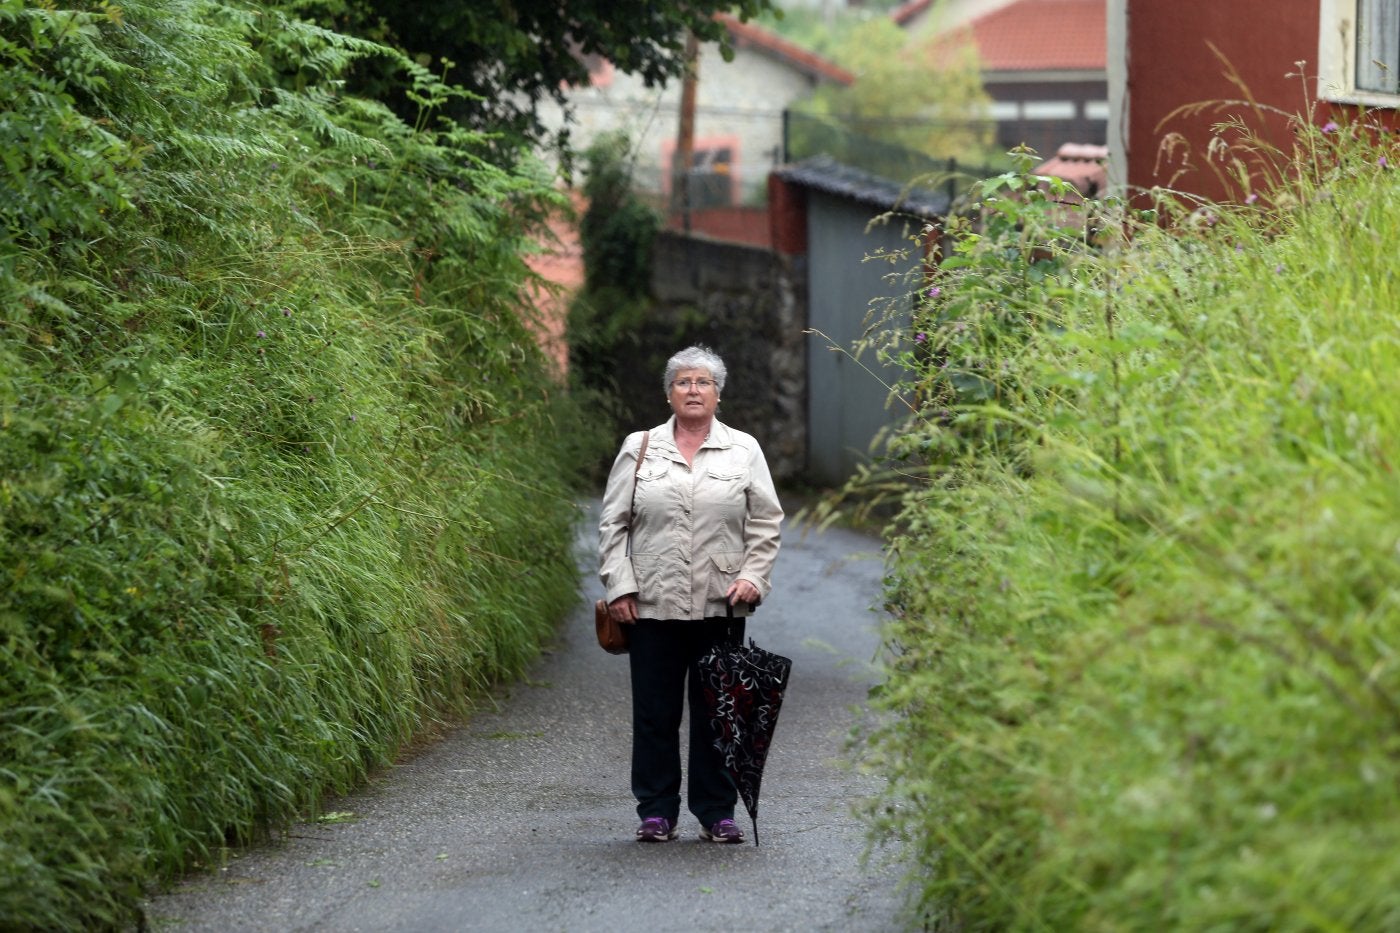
x=1359 y=52
x=1378 y=45
x=1048 y=109
x=1006 y=110
x=1096 y=110
x=714 y=175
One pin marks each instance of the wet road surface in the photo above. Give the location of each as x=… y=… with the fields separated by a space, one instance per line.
x=521 y=819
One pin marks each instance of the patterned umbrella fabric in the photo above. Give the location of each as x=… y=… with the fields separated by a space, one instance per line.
x=743 y=689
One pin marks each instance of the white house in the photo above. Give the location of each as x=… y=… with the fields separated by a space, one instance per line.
x=738 y=134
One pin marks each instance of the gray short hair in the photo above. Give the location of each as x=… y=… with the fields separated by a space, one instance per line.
x=696 y=357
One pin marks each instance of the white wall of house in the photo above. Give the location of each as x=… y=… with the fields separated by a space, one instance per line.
x=739 y=104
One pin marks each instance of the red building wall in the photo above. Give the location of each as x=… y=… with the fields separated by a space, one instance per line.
x=750 y=225
x=1171 y=65
x=787 y=217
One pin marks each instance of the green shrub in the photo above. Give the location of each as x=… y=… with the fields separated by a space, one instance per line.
x=607 y=315
x=1142 y=671
x=279 y=479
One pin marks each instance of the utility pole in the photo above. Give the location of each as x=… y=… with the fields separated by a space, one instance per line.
x=685 y=137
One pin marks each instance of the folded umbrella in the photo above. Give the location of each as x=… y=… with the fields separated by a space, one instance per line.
x=743 y=691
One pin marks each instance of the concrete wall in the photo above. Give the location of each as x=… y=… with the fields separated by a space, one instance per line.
x=749 y=306
x=816 y=411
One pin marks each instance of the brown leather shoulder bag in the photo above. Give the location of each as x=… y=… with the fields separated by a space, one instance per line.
x=612 y=636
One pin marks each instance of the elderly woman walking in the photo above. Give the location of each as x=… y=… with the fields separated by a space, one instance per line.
x=689 y=540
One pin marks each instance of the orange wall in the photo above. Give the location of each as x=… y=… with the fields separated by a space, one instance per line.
x=732 y=224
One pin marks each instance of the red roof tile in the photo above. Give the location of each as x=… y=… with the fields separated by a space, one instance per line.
x=1080 y=164
x=1044 y=35
x=908 y=10
x=751 y=34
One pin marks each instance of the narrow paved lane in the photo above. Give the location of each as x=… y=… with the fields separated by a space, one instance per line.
x=521 y=820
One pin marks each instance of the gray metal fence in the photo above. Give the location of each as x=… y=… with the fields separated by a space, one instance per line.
x=806 y=135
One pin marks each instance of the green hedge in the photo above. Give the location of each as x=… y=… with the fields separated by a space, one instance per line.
x=283 y=476
x=1143 y=668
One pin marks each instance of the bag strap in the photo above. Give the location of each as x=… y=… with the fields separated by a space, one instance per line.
x=641 y=455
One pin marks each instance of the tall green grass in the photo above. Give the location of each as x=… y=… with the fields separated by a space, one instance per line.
x=283 y=480
x=1143 y=666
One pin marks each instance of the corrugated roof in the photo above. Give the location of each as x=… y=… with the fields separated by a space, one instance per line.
x=805 y=60
x=1044 y=35
x=823 y=173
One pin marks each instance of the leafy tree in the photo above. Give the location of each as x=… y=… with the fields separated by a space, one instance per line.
x=823 y=29
x=511 y=54
x=617 y=229
x=920 y=93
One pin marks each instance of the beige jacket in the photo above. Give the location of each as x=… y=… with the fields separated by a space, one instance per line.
x=696 y=529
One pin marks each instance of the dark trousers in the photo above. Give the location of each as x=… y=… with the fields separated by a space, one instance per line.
x=663 y=655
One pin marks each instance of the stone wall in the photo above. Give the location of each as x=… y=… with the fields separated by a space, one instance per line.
x=748 y=305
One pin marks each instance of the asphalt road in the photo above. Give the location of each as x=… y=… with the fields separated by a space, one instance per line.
x=521 y=819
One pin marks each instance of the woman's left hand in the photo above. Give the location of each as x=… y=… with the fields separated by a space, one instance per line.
x=742 y=591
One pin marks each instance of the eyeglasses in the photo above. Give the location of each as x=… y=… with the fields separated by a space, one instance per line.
x=685 y=384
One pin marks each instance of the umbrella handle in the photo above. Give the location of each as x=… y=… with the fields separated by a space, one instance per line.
x=735 y=635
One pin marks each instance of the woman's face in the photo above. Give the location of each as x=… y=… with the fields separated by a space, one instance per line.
x=694 y=394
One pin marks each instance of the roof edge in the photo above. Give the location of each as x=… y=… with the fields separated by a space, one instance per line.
x=805 y=59
x=830 y=176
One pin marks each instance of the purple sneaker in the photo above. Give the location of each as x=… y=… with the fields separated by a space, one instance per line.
x=657 y=829
x=723 y=831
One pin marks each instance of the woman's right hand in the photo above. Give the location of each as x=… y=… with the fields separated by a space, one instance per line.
x=624 y=609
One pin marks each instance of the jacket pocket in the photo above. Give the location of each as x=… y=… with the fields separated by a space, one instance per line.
x=724 y=570
x=653 y=489
x=646 y=569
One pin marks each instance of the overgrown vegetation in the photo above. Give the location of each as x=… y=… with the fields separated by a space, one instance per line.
x=916 y=92
x=1142 y=668
x=607 y=315
x=282 y=480
x=823 y=28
